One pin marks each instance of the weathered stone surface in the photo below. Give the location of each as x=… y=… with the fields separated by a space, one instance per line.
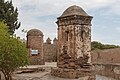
x=48 y=41
x=35 y=42
x=106 y=62
x=46 y=51
x=111 y=70
x=74 y=10
x=55 y=41
x=74 y=40
x=71 y=73
x=50 y=52
x=34 y=32
x=106 y=56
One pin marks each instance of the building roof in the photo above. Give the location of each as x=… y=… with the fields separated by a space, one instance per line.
x=74 y=10
x=34 y=32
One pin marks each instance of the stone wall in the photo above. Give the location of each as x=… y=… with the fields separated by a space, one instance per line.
x=107 y=62
x=106 y=56
x=109 y=70
x=50 y=52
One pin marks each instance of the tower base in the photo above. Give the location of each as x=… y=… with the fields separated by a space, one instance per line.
x=72 y=73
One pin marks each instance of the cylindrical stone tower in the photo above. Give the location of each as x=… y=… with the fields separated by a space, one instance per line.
x=35 y=46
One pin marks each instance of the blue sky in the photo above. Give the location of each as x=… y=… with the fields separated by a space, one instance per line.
x=42 y=15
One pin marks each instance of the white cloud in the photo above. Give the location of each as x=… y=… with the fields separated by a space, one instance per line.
x=118 y=29
x=116 y=8
x=46 y=7
x=31 y=10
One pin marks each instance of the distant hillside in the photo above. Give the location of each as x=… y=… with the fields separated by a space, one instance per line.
x=97 y=45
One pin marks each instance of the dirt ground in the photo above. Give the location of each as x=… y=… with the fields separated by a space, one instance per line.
x=41 y=75
x=45 y=75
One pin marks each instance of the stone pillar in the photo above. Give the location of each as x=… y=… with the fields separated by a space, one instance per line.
x=74 y=41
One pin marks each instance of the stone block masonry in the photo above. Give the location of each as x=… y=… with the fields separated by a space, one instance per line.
x=74 y=44
x=110 y=70
x=35 y=46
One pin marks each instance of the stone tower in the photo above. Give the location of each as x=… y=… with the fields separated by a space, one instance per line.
x=74 y=41
x=35 y=46
x=55 y=41
x=74 y=33
x=48 y=41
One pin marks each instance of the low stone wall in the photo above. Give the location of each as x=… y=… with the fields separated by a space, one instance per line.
x=109 y=70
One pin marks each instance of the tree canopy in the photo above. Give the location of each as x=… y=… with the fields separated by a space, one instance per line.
x=97 y=45
x=13 y=53
x=10 y=15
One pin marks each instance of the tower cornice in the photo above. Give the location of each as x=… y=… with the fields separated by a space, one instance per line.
x=74 y=19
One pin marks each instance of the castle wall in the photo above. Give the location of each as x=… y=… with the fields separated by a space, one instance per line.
x=50 y=52
x=106 y=56
x=106 y=62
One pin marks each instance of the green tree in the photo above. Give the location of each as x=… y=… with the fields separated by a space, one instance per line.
x=13 y=53
x=97 y=45
x=10 y=15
